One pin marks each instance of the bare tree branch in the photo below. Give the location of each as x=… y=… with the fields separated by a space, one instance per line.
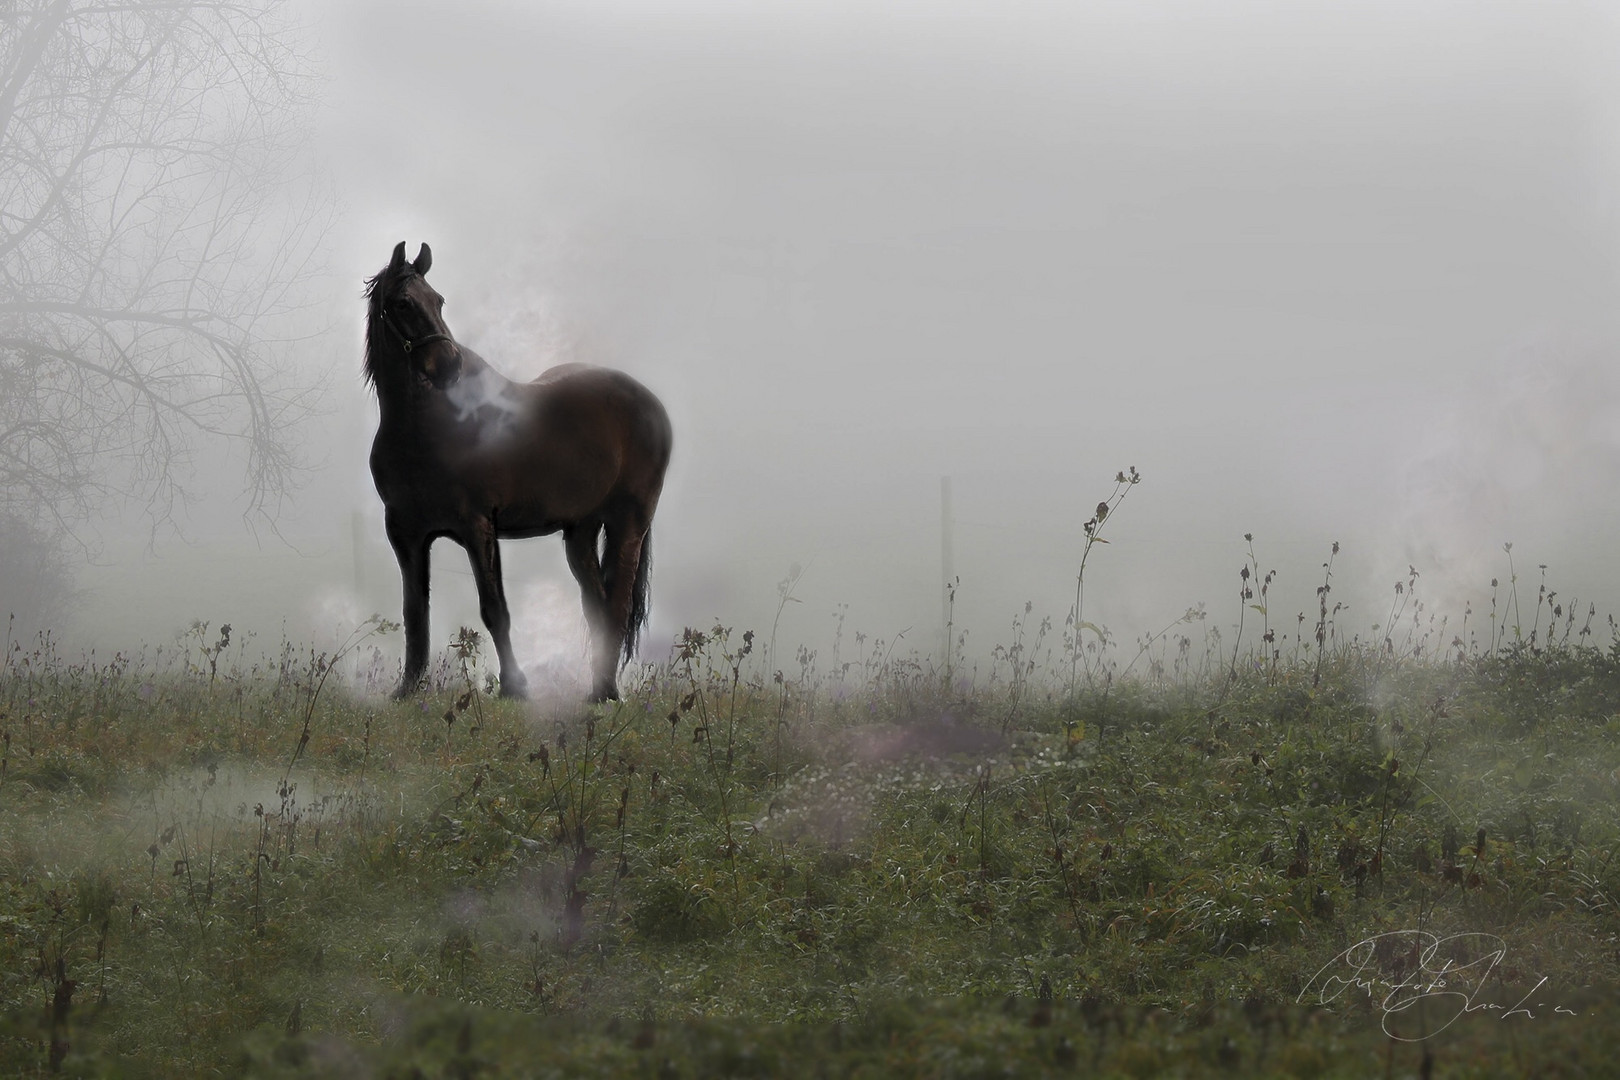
x=149 y=270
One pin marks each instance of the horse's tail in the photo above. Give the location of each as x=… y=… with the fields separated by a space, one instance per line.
x=638 y=600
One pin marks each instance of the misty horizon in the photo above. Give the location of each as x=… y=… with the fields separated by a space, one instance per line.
x=1324 y=273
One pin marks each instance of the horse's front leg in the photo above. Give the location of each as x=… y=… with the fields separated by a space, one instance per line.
x=484 y=552
x=411 y=550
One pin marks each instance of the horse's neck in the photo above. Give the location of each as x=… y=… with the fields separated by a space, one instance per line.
x=396 y=384
x=401 y=393
x=475 y=366
x=404 y=395
x=480 y=390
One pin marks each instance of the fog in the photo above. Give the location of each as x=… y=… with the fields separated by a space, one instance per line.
x=1320 y=271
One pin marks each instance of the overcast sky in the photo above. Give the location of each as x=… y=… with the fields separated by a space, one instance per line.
x=1321 y=271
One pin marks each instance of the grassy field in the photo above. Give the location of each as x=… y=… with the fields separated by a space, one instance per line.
x=1264 y=862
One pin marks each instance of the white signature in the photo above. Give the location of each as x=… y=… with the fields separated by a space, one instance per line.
x=1424 y=983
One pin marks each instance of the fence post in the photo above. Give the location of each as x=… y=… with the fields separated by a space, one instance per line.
x=947 y=565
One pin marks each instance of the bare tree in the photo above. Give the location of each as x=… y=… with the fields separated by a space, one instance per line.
x=152 y=250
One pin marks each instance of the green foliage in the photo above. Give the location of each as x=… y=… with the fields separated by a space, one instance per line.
x=211 y=863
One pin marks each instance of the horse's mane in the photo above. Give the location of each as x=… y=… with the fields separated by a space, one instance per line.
x=374 y=293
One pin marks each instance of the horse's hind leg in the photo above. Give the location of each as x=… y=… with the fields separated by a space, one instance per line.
x=411 y=550
x=622 y=556
x=580 y=544
x=484 y=552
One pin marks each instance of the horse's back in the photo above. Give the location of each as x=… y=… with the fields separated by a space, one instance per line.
x=563 y=372
x=574 y=384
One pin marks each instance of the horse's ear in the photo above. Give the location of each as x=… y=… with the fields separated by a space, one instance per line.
x=424 y=259
x=398 y=260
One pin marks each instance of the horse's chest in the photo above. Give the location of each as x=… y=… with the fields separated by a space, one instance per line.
x=419 y=478
x=406 y=470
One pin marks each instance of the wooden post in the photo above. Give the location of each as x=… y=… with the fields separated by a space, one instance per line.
x=357 y=545
x=947 y=565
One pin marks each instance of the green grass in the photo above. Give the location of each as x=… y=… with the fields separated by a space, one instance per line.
x=214 y=867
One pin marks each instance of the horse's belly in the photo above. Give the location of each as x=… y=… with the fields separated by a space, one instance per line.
x=518 y=526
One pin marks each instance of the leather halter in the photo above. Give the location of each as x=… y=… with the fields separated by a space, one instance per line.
x=405 y=342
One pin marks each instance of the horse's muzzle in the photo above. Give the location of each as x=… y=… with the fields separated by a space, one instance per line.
x=442 y=365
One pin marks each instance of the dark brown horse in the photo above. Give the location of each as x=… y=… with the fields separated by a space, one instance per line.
x=461 y=451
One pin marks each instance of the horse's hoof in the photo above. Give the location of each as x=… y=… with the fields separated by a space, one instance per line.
x=514 y=685
x=602 y=695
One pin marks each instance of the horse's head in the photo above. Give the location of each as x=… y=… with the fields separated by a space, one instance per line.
x=409 y=314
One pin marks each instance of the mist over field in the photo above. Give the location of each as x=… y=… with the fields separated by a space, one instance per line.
x=1288 y=328
x=1321 y=272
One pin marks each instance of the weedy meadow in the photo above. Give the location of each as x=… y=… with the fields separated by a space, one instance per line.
x=1296 y=851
